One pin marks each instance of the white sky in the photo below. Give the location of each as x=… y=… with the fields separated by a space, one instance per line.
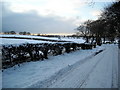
x=74 y=11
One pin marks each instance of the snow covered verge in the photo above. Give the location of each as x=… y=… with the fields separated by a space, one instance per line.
x=37 y=74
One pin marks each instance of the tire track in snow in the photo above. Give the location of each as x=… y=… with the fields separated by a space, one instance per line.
x=118 y=67
x=77 y=76
x=64 y=72
x=91 y=71
x=105 y=73
x=115 y=69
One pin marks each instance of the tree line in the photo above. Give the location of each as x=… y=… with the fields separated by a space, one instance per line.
x=107 y=26
x=20 y=33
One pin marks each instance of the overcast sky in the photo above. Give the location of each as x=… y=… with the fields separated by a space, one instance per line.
x=47 y=16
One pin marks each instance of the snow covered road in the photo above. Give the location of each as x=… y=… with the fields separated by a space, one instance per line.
x=101 y=71
x=119 y=68
x=80 y=69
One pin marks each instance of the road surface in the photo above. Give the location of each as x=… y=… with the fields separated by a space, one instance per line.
x=100 y=71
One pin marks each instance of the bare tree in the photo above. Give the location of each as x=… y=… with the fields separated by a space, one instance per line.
x=83 y=30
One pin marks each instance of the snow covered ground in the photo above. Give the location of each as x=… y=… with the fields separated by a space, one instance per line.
x=19 y=41
x=100 y=71
x=28 y=36
x=39 y=73
x=105 y=74
x=9 y=41
x=80 y=69
x=119 y=68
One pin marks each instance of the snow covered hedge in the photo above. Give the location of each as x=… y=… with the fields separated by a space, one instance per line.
x=16 y=54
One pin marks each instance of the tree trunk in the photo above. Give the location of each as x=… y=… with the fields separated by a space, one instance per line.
x=87 y=39
x=93 y=38
x=98 y=40
x=104 y=38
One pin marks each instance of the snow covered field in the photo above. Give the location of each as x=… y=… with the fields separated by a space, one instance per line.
x=20 y=41
x=77 y=69
x=9 y=41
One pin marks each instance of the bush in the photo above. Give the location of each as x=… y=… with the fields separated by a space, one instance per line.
x=16 y=54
